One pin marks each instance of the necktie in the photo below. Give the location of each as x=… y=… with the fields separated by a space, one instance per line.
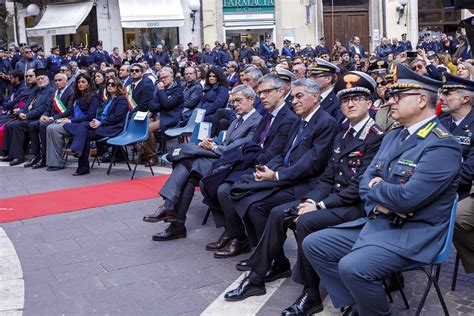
x=239 y=121
x=348 y=137
x=403 y=135
x=266 y=129
x=133 y=87
x=452 y=126
x=286 y=160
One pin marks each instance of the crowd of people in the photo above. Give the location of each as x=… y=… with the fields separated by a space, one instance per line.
x=361 y=154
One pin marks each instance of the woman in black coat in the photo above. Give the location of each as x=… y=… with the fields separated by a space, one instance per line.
x=108 y=123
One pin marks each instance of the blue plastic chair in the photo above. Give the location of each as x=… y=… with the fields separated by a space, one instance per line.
x=194 y=137
x=196 y=117
x=219 y=139
x=433 y=269
x=136 y=132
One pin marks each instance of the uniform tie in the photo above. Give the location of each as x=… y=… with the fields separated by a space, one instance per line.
x=452 y=126
x=403 y=135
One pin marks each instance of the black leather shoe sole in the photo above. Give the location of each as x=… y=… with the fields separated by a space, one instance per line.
x=241 y=267
x=223 y=256
x=251 y=292
x=151 y=219
x=280 y=275
x=165 y=238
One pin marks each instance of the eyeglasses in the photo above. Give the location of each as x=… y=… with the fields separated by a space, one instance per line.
x=266 y=92
x=27 y=52
x=397 y=95
x=57 y=80
x=419 y=67
x=381 y=84
x=29 y=76
x=111 y=84
x=356 y=100
x=135 y=70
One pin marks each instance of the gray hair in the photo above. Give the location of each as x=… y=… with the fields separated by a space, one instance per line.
x=310 y=86
x=246 y=90
x=232 y=64
x=254 y=72
x=60 y=74
x=274 y=80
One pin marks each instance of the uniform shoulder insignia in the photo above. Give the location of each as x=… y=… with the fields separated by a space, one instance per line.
x=426 y=130
x=376 y=129
x=440 y=132
x=366 y=130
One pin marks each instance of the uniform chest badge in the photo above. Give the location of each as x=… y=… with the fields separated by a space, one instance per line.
x=463 y=140
x=406 y=162
x=337 y=150
x=356 y=154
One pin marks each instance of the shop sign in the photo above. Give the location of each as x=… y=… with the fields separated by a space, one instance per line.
x=248 y=6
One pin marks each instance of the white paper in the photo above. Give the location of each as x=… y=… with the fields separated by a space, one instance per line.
x=204 y=130
x=200 y=116
x=140 y=116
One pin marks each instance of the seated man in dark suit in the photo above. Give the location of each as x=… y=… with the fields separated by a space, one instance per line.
x=59 y=107
x=334 y=200
x=178 y=190
x=457 y=99
x=16 y=130
x=272 y=135
x=325 y=74
x=140 y=90
x=407 y=217
x=286 y=177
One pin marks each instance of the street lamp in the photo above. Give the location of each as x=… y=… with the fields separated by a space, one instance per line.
x=401 y=9
x=20 y=15
x=194 y=6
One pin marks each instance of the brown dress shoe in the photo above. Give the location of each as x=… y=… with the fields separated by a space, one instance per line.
x=170 y=233
x=219 y=244
x=163 y=213
x=233 y=248
x=153 y=161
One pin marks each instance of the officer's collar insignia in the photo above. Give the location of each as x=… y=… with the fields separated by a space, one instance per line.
x=440 y=133
x=426 y=130
x=350 y=79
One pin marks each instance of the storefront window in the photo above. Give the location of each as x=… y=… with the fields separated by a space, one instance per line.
x=147 y=37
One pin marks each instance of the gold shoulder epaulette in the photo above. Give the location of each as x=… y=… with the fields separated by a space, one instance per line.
x=440 y=133
x=426 y=130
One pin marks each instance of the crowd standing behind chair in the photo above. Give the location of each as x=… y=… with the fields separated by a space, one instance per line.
x=300 y=121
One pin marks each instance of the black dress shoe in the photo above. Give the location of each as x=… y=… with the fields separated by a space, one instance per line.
x=243 y=265
x=246 y=289
x=53 y=168
x=40 y=164
x=277 y=271
x=349 y=311
x=223 y=240
x=304 y=305
x=16 y=161
x=80 y=173
x=170 y=233
x=32 y=161
x=233 y=248
x=163 y=213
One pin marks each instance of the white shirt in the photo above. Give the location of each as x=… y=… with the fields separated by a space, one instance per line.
x=357 y=127
x=310 y=115
x=246 y=116
x=275 y=112
x=326 y=93
x=412 y=129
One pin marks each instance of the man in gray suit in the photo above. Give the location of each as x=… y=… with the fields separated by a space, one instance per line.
x=178 y=190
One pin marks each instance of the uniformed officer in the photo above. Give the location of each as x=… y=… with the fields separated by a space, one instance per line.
x=53 y=62
x=457 y=98
x=100 y=54
x=407 y=217
x=5 y=68
x=325 y=74
x=333 y=200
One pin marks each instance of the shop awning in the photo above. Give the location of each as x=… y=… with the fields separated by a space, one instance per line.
x=61 y=19
x=151 y=14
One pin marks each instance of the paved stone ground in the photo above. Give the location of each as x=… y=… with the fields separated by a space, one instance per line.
x=102 y=260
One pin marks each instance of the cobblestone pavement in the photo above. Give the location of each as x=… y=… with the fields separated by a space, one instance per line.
x=102 y=260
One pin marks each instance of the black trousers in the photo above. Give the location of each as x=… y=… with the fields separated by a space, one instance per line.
x=15 y=133
x=37 y=132
x=221 y=121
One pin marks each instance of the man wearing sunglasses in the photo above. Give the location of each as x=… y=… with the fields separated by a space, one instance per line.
x=140 y=90
x=408 y=191
x=457 y=96
x=27 y=61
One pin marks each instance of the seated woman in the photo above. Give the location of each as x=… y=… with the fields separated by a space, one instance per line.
x=108 y=123
x=85 y=104
x=216 y=93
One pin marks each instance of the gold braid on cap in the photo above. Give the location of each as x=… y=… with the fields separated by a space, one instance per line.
x=406 y=86
x=453 y=86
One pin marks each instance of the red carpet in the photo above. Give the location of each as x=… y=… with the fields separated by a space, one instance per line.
x=61 y=201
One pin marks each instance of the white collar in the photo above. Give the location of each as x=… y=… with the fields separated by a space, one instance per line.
x=412 y=129
x=310 y=115
x=358 y=126
x=246 y=116
x=326 y=93
x=137 y=82
x=274 y=113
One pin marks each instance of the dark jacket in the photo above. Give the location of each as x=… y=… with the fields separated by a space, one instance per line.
x=169 y=103
x=143 y=94
x=332 y=105
x=115 y=119
x=89 y=109
x=214 y=98
x=39 y=100
x=16 y=96
x=192 y=94
x=66 y=98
